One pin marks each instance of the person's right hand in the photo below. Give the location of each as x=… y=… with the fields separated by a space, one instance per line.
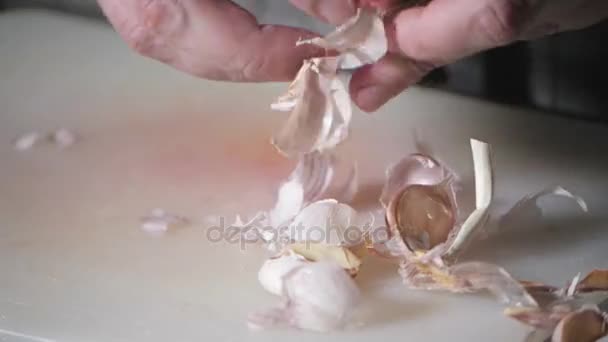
x=444 y=31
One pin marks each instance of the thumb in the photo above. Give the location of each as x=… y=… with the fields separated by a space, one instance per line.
x=447 y=30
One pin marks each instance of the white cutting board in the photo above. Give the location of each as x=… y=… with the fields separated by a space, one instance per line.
x=75 y=266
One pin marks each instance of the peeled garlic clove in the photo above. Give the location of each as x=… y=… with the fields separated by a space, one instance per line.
x=273 y=271
x=320 y=252
x=321 y=111
x=318 y=296
x=586 y=325
x=423 y=209
x=422 y=215
x=597 y=280
x=485 y=276
x=360 y=40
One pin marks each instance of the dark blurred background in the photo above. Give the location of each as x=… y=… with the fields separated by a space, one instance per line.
x=564 y=74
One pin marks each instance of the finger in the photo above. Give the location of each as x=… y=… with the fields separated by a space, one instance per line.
x=447 y=30
x=210 y=39
x=334 y=12
x=373 y=85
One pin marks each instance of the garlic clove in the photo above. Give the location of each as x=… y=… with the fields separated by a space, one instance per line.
x=329 y=222
x=422 y=215
x=585 y=325
x=318 y=296
x=360 y=40
x=273 y=271
x=320 y=252
x=420 y=201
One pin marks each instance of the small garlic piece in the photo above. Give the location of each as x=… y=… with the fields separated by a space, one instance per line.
x=26 y=141
x=63 y=137
x=318 y=296
x=273 y=271
x=159 y=221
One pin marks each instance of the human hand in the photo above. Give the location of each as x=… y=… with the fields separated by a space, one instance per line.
x=443 y=31
x=212 y=39
x=216 y=39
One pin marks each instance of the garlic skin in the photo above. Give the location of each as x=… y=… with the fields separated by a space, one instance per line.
x=317 y=176
x=360 y=40
x=320 y=110
x=273 y=271
x=318 y=296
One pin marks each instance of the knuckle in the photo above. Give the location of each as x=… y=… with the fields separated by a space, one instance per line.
x=502 y=20
x=151 y=27
x=252 y=67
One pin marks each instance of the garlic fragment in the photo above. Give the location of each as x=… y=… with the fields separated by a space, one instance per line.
x=320 y=108
x=360 y=40
x=26 y=141
x=317 y=296
x=63 y=137
x=159 y=221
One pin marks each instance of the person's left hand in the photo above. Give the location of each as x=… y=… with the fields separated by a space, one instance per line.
x=212 y=39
